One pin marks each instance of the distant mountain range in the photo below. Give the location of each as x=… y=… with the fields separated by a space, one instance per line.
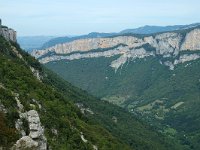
x=41 y=42
x=32 y=42
x=155 y=29
x=141 y=30
x=60 y=40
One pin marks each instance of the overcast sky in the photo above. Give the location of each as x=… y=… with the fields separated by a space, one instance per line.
x=75 y=17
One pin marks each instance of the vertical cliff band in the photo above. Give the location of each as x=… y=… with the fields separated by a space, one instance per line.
x=8 y=33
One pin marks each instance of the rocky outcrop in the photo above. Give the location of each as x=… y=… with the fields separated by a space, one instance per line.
x=24 y=143
x=192 y=40
x=34 y=137
x=28 y=125
x=85 y=45
x=3 y=108
x=8 y=33
x=186 y=57
x=133 y=54
x=84 y=110
x=36 y=73
x=165 y=45
x=86 y=141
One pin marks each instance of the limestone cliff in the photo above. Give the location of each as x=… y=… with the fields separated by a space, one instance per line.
x=35 y=139
x=192 y=40
x=167 y=45
x=8 y=33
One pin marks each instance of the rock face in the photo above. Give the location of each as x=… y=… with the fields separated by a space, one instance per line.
x=8 y=33
x=165 y=45
x=192 y=41
x=35 y=139
x=84 y=110
x=36 y=130
x=34 y=124
x=26 y=143
x=36 y=73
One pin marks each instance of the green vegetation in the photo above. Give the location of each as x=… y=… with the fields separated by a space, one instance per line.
x=57 y=112
x=142 y=82
x=132 y=131
x=7 y=134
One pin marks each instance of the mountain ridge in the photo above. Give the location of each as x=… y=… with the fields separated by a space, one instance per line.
x=168 y=45
x=150 y=29
x=139 y=30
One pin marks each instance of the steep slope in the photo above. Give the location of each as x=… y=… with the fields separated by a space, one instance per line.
x=38 y=115
x=156 y=77
x=116 y=120
x=33 y=112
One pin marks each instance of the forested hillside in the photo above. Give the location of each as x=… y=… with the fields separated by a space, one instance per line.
x=67 y=117
x=65 y=127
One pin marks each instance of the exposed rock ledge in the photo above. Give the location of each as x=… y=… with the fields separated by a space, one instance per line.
x=35 y=139
x=165 y=45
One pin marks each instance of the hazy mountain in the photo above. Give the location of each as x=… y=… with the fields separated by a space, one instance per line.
x=29 y=43
x=155 y=29
x=141 y=30
x=60 y=40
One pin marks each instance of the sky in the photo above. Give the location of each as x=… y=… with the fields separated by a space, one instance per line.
x=76 y=17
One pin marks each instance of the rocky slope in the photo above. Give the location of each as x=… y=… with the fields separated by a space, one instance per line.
x=169 y=46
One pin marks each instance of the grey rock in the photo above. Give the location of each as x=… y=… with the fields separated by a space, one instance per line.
x=166 y=45
x=8 y=33
x=3 y=108
x=25 y=143
x=191 y=41
x=36 y=138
